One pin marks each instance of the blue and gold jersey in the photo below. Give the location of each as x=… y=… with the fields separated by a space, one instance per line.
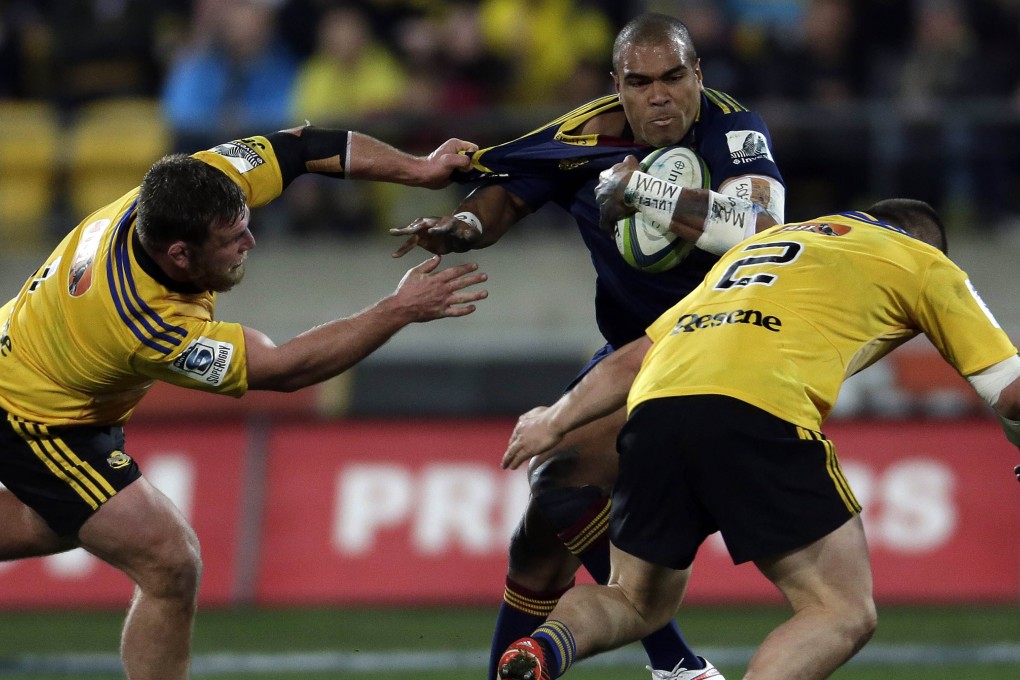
x=557 y=163
x=99 y=322
x=783 y=318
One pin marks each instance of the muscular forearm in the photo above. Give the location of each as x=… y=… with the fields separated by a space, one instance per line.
x=497 y=211
x=713 y=221
x=372 y=159
x=324 y=351
x=602 y=391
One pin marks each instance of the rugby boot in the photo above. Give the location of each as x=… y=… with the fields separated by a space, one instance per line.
x=523 y=660
x=681 y=673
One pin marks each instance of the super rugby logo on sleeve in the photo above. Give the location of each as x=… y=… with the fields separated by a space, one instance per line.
x=747 y=145
x=240 y=155
x=205 y=360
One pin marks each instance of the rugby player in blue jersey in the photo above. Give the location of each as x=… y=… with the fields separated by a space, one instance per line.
x=660 y=101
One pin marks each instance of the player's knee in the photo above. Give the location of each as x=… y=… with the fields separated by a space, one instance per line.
x=558 y=471
x=861 y=621
x=176 y=571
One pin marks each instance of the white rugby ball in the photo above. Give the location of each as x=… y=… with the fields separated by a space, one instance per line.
x=637 y=238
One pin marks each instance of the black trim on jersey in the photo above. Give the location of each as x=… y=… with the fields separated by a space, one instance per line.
x=294 y=152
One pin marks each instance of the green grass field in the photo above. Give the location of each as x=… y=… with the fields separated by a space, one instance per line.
x=450 y=644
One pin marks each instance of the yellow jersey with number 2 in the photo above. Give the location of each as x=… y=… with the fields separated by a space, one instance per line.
x=783 y=318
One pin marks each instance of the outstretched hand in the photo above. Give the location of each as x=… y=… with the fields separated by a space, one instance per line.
x=452 y=155
x=439 y=235
x=533 y=436
x=428 y=293
x=610 y=190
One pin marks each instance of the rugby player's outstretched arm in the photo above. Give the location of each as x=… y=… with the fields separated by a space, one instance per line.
x=478 y=222
x=425 y=293
x=354 y=155
x=601 y=392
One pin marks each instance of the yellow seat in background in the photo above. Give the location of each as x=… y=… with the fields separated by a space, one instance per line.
x=29 y=170
x=112 y=143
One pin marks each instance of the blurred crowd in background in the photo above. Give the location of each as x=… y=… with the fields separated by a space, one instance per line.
x=863 y=97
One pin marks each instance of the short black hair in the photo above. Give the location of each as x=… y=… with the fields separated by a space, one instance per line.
x=653 y=28
x=181 y=197
x=917 y=218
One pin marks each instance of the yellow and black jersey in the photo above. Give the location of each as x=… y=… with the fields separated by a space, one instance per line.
x=99 y=321
x=783 y=318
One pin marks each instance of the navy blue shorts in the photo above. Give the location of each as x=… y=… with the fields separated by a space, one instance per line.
x=693 y=465
x=63 y=473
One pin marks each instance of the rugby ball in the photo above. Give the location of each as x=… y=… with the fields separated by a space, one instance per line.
x=639 y=241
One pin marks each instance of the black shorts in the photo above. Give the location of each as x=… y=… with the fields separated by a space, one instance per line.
x=693 y=465
x=63 y=473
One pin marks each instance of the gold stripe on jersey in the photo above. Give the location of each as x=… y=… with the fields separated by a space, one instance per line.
x=62 y=462
x=529 y=605
x=591 y=532
x=724 y=101
x=833 y=468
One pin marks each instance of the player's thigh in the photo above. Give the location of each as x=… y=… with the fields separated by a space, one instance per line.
x=833 y=571
x=25 y=533
x=141 y=532
x=586 y=457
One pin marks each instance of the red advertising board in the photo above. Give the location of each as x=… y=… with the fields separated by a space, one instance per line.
x=388 y=512
x=341 y=512
x=421 y=513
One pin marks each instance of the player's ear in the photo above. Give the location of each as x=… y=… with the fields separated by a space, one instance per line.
x=179 y=253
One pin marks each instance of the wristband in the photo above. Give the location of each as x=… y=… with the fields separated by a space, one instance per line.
x=654 y=198
x=471 y=219
x=729 y=221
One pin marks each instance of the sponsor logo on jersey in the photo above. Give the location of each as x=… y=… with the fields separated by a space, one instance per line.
x=823 y=228
x=747 y=145
x=689 y=323
x=240 y=155
x=118 y=460
x=568 y=164
x=79 y=278
x=206 y=360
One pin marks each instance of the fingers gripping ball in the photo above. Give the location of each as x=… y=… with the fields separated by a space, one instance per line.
x=639 y=240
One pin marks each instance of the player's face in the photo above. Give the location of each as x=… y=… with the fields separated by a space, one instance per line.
x=660 y=90
x=219 y=264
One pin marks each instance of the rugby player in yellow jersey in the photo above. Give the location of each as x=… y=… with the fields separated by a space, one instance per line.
x=726 y=394
x=127 y=298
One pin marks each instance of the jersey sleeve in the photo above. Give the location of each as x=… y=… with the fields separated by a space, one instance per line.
x=211 y=358
x=957 y=321
x=738 y=143
x=252 y=163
